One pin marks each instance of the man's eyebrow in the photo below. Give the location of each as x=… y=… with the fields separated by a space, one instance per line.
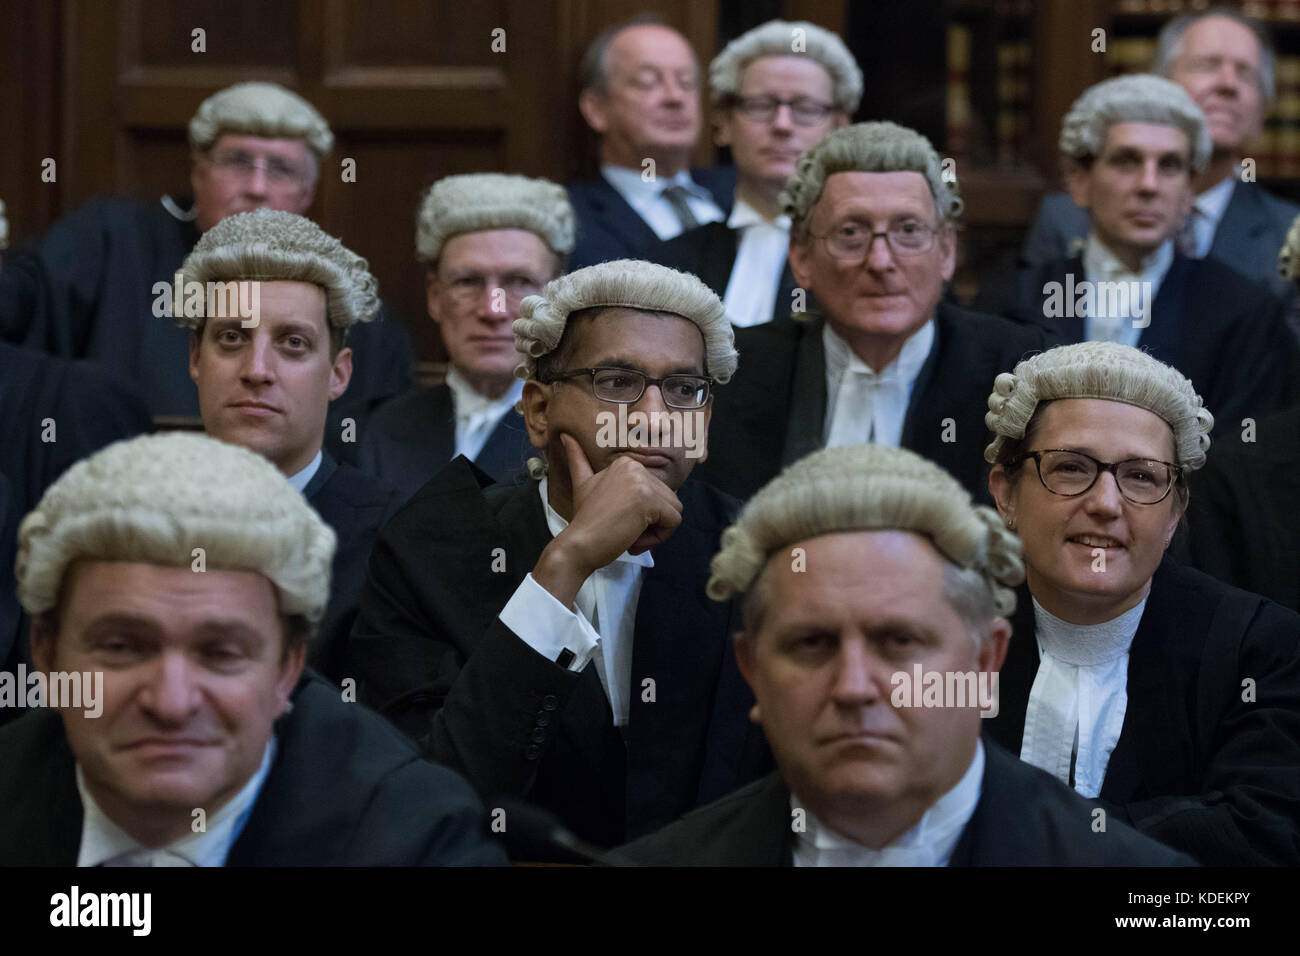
x=120 y=620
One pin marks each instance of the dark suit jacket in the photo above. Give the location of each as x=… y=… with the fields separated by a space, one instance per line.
x=1196 y=767
x=1243 y=517
x=773 y=411
x=356 y=506
x=1248 y=237
x=710 y=253
x=1225 y=333
x=608 y=228
x=344 y=790
x=1024 y=818
x=433 y=655
x=409 y=439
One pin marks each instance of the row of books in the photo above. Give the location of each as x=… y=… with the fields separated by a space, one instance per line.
x=1271 y=10
x=1011 y=126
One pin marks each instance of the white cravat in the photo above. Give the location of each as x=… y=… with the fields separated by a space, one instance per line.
x=603 y=626
x=476 y=414
x=647 y=198
x=865 y=405
x=760 y=258
x=1104 y=324
x=104 y=842
x=929 y=843
x=1080 y=694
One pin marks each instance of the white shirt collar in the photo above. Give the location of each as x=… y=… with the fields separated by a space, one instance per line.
x=840 y=356
x=743 y=215
x=556 y=524
x=1100 y=264
x=469 y=402
x=1212 y=203
x=929 y=843
x=103 y=840
x=638 y=191
x=301 y=480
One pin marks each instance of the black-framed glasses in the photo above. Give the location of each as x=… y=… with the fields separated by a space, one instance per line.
x=852 y=240
x=239 y=163
x=626 y=386
x=763 y=109
x=1143 y=481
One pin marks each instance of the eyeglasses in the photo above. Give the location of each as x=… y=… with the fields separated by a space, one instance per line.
x=1143 y=481
x=467 y=290
x=278 y=171
x=626 y=386
x=763 y=109
x=852 y=240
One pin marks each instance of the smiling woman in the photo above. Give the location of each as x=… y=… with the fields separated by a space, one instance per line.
x=1123 y=660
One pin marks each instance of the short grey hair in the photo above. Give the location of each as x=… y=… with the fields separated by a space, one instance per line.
x=877 y=147
x=1170 y=39
x=593 y=73
x=1135 y=98
x=776 y=38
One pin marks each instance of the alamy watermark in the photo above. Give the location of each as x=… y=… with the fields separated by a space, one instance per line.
x=959 y=689
x=64 y=690
x=1087 y=299
x=651 y=430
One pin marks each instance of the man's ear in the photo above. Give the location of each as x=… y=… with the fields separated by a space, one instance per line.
x=341 y=372
x=947 y=251
x=1077 y=180
x=290 y=670
x=722 y=128
x=536 y=402
x=432 y=290
x=704 y=434
x=993 y=649
x=592 y=107
x=196 y=340
x=840 y=119
x=800 y=256
x=43 y=635
x=745 y=661
x=1000 y=487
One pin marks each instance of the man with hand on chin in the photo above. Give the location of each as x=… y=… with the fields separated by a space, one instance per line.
x=551 y=638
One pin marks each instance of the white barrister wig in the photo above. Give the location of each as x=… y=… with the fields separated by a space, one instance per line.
x=156 y=498
x=868 y=488
x=878 y=147
x=1288 y=259
x=1136 y=98
x=260 y=109
x=475 y=202
x=1105 y=370
x=630 y=284
x=781 y=38
x=270 y=245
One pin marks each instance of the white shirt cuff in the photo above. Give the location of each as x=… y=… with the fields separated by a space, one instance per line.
x=547 y=626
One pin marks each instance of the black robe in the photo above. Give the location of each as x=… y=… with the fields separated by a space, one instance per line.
x=356 y=506
x=85 y=290
x=344 y=790
x=432 y=654
x=1024 y=818
x=1196 y=766
x=410 y=438
x=773 y=412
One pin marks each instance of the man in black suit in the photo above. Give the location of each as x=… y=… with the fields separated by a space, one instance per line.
x=266 y=381
x=87 y=288
x=551 y=638
x=771 y=104
x=884 y=360
x=181 y=730
x=640 y=94
x=874 y=603
x=1225 y=63
x=1131 y=146
x=487 y=240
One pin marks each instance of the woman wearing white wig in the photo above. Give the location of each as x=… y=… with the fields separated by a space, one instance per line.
x=1171 y=698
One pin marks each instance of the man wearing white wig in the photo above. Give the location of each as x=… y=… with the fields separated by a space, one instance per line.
x=551 y=637
x=267 y=383
x=869 y=579
x=88 y=287
x=487 y=241
x=1226 y=63
x=174 y=583
x=879 y=357
x=776 y=89
x=1169 y=700
x=1131 y=146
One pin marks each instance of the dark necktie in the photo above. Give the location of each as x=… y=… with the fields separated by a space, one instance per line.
x=676 y=196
